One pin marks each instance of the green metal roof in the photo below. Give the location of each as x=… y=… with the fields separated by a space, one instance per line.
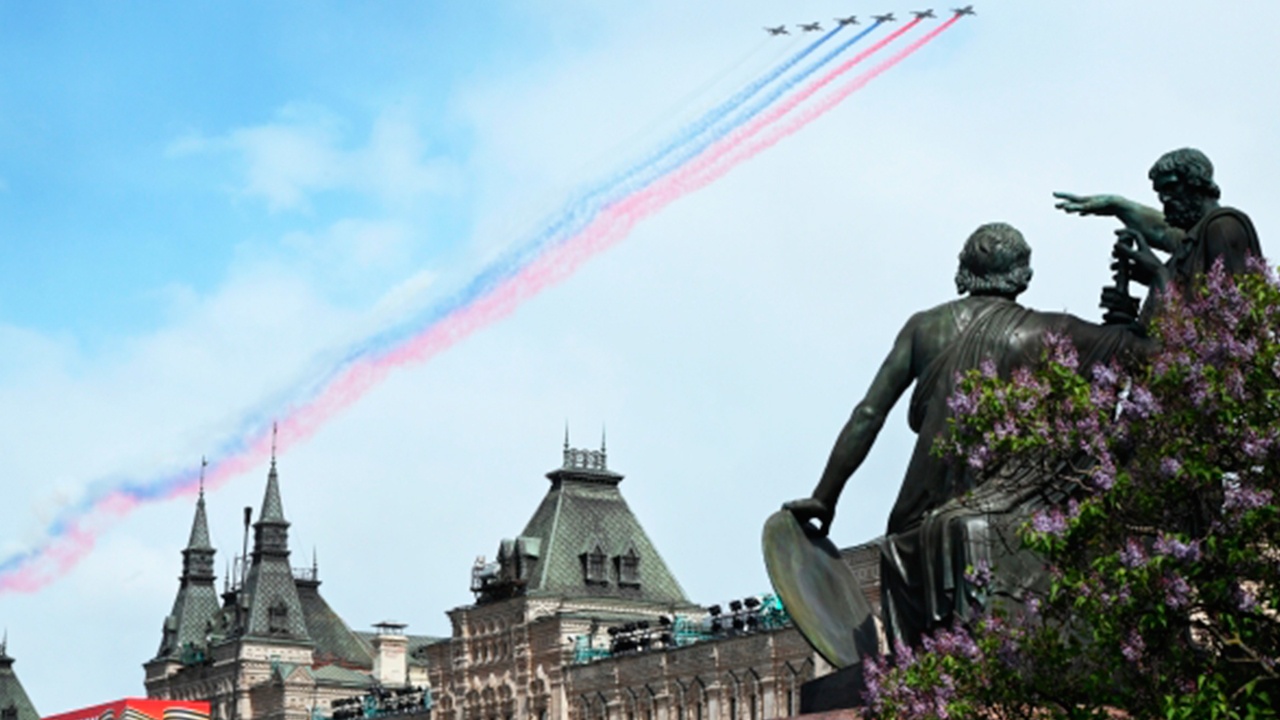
x=12 y=695
x=334 y=639
x=584 y=512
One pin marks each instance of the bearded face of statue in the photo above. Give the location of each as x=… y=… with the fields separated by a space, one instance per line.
x=1183 y=204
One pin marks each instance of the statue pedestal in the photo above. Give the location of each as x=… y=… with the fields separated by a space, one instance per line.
x=840 y=690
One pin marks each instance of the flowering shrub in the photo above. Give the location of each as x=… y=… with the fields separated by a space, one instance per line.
x=1164 y=598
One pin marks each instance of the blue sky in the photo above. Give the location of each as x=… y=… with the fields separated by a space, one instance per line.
x=201 y=204
x=102 y=209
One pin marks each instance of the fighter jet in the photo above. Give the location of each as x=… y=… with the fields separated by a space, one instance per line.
x=780 y=30
x=811 y=27
x=851 y=20
x=922 y=14
x=887 y=17
x=966 y=10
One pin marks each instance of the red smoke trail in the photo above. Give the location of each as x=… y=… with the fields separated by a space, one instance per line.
x=47 y=563
x=765 y=120
x=610 y=226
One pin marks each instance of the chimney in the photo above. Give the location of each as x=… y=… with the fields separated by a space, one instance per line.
x=390 y=659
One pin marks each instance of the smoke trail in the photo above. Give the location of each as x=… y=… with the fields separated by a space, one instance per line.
x=495 y=294
x=688 y=143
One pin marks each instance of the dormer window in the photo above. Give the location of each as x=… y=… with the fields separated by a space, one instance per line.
x=278 y=618
x=629 y=568
x=594 y=568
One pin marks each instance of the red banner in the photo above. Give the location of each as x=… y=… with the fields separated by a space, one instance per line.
x=139 y=709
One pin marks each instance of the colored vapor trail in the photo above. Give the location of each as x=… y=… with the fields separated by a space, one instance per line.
x=706 y=149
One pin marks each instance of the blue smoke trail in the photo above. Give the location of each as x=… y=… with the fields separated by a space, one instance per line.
x=687 y=143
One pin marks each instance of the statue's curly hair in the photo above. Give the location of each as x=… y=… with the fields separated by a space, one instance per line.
x=1192 y=166
x=996 y=260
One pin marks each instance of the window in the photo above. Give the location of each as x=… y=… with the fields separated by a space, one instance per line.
x=278 y=618
x=594 y=570
x=629 y=568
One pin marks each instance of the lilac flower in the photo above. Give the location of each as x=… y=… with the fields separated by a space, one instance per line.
x=1133 y=647
x=1246 y=600
x=1005 y=428
x=1169 y=467
x=988 y=368
x=1177 y=593
x=1133 y=556
x=1106 y=375
x=978 y=457
x=978 y=574
x=1255 y=446
x=1173 y=547
x=1049 y=522
x=1142 y=403
x=962 y=405
x=1241 y=499
x=1062 y=351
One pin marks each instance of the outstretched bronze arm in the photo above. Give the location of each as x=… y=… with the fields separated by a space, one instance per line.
x=1148 y=221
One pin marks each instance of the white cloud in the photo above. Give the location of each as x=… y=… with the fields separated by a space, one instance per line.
x=306 y=151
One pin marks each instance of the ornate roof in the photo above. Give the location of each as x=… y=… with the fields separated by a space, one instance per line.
x=196 y=604
x=274 y=610
x=12 y=696
x=583 y=541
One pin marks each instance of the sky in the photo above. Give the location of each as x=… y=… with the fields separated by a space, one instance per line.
x=204 y=206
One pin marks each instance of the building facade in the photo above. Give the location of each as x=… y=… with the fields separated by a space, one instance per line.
x=578 y=617
x=271 y=648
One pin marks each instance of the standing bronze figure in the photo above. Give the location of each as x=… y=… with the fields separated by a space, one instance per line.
x=1192 y=227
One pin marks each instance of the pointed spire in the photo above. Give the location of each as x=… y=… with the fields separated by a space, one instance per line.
x=199 y=539
x=566 y=434
x=315 y=564
x=272 y=508
x=602 y=438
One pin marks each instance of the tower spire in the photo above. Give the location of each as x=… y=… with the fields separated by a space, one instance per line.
x=274 y=429
x=203 y=464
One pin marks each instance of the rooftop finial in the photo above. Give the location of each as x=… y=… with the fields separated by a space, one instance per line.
x=203 y=464
x=315 y=564
x=566 y=434
x=4 y=644
x=602 y=434
x=274 y=429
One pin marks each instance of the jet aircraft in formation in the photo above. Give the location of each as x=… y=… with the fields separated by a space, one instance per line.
x=853 y=20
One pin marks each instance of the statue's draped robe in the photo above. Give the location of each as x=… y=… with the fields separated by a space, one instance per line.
x=941 y=524
x=1224 y=233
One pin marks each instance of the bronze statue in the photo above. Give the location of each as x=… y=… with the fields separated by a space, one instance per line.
x=942 y=520
x=1193 y=228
